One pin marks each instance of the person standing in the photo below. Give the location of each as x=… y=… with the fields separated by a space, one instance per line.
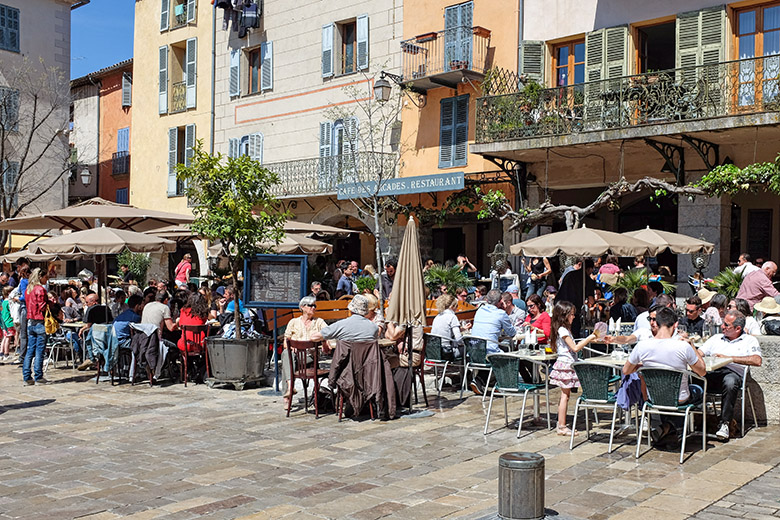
x=183 y=271
x=538 y=269
x=37 y=303
x=24 y=275
x=758 y=284
x=388 y=277
x=745 y=266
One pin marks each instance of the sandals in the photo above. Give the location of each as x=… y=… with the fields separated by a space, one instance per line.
x=564 y=431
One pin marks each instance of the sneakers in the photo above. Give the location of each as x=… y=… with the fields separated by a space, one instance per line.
x=29 y=382
x=43 y=381
x=85 y=365
x=723 y=432
x=476 y=387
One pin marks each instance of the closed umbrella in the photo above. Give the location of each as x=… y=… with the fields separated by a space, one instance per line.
x=675 y=242
x=582 y=241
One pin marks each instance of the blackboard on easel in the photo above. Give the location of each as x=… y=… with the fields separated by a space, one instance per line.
x=275 y=281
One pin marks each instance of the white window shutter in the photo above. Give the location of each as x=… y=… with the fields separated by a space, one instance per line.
x=189 y=144
x=233 y=144
x=532 y=60
x=127 y=90
x=326 y=128
x=173 y=155
x=325 y=181
x=164 y=79
x=256 y=147
x=362 y=42
x=235 y=72
x=165 y=14
x=594 y=67
x=191 y=71
x=267 y=66
x=327 y=50
x=190 y=11
x=446 y=132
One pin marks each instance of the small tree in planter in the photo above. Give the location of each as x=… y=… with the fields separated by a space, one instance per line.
x=232 y=203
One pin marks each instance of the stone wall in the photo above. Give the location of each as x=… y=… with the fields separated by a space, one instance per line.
x=764 y=383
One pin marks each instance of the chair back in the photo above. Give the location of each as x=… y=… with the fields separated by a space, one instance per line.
x=663 y=385
x=433 y=350
x=506 y=368
x=195 y=337
x=298 y=350
x=476 y=350
x=594 y=380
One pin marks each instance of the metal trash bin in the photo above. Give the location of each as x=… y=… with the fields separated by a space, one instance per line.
x=521 y=486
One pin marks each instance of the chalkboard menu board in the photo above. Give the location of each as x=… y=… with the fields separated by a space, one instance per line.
x=275 y=280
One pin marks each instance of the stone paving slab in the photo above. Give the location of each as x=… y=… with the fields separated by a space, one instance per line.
x=74 y=449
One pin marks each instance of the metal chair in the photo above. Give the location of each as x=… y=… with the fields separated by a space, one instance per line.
x=57 y=343
x=435 y=357
x=476 y=359
x=299 y=353
x=508 y=383
x=595 y=380
x=194 y=345
x=716 y=400
x=663 y=391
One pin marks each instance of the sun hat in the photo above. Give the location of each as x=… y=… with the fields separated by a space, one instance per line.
x=705 y=295
x=358 y=305
x=768 y=306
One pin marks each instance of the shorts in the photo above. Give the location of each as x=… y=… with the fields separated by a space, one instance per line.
x=180 y=284
x=9 y=332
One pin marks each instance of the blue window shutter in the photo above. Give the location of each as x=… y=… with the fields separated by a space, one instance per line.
x=256 y=147
x=461 y=139
x=267 y=66
x=121 y=196
x=123 y=140
x=446 y=132
x=362 y=42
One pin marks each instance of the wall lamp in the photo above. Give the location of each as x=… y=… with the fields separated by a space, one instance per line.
x=383 y=88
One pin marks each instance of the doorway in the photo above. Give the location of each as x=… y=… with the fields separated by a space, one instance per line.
x=448 y=243
x=656 y=46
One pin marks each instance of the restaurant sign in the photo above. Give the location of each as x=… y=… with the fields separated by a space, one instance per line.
x=403 y=185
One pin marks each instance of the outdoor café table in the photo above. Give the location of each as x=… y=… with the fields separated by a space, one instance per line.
x=543 y=359
x=711 y=363
x=75 y=325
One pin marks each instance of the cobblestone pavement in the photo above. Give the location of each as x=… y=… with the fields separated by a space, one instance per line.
x=74 y=449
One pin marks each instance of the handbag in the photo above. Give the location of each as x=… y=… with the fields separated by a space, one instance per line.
x=771 y=327
x=49 y=322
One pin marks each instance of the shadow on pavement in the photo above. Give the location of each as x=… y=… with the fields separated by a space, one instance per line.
x=28 y=404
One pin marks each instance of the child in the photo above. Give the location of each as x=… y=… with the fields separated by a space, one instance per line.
x=7 y=324
x=563 y=374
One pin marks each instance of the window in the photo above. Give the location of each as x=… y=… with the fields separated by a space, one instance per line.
x=758 y=34
x=176 y=13
x=127 y=89
x=178 y=76
x=655 y=47
x=345 y=44
x=569 y=63
x=260 y=68
x=339 y=144
x=121 y=196
x=181 y=141
x=454 y=131
x=9 y=109
x=9 y=28
x=250 y=145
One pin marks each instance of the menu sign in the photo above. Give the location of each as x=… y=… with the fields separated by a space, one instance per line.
x=275 y=280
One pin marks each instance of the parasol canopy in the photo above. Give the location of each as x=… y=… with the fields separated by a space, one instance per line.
x=407 y=301
x=295 y=226
x=102 y=241
x=675 y=242
x=582 y=242
x=291 y=244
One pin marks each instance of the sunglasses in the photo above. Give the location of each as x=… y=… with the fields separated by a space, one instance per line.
x=691 y=310
x=310 y=305
x=650 y=319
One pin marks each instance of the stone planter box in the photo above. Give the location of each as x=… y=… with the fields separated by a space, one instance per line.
x=764 y=382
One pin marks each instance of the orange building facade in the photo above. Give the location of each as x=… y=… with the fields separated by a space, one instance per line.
x=114 y=149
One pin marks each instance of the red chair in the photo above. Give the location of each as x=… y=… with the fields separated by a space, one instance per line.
x=298 y=353
x=194 y=345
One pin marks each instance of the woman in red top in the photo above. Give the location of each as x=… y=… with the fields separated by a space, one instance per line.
x=537 y=317
x=194 y=312
x=37 y=302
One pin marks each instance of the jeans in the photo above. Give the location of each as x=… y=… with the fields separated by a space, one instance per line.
x=22 y=330
x=536 y=287
x=729 y=384
x=36 y=346
x=73 y=337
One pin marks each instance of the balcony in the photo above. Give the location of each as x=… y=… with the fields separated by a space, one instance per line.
x=321 y=175
x=120 y=163
x=444 y=58
x=178 y=97
x=708 y=97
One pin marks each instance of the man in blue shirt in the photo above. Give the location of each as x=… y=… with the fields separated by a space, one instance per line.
x=130 y=315
x=490 y=322
x=345 y=282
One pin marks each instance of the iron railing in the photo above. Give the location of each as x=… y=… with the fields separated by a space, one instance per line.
x=321 y=175
x=178 y=97
x=120 y=163
x=459 y=48
x=740 y=87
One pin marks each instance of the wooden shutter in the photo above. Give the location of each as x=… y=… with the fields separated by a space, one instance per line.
x=687 y=29
x=123 y=140
x=326 y=128
x=189 y=144
x=446 y=132
x=233 y=144
x=127 y=90
x=235 y=72
x=327 y=50
x=532 y=60
x=362 y=42
x=256 y=147
x=173 y=159
x=451 y=34
x=191 y=71
x=594 y=55
x=12 y=30
x=164 y=79
x=165 y=14
x=461 y=139
x=466 y=33
x=701 y=37
x=615 y=52
x=267 y=66
x=326 y=168
x=9 y=109
x=190 y=11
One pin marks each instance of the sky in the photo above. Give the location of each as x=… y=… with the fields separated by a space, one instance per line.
x=101 y=35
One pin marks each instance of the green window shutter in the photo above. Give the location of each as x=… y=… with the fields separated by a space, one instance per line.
x=687 y=37
x=191 y=11
x=191 y=71
x=531 y=57
x=713 y=35
x=594 y=55
x=165 y=14
x=267 y=66
x=461 y=139
x=446 y=132
x=235 y=72
x=164 y=79
x=362 y=42
x=256 y=147
x=173 y=159
x=327 y=50
x=615 y=52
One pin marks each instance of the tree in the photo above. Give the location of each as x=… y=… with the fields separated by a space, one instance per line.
x=728 y=179
x=232 y=202
x=34 y=150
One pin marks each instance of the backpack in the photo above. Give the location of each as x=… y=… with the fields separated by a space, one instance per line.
x=771 y=327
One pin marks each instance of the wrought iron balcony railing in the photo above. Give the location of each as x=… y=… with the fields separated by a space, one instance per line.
x=321 y=175
x=178 y=97
x=120 y=163
x=452 y=52
x=741 y=87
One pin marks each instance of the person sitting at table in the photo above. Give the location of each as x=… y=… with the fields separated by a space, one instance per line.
x=447 y=326
x=638 y=334
x=693 y=321
x=130 y=315
x=770 y=316
x=665 y=351
x=743 y=349
x=752 y=326
x=194 y=313
x=93 y=313
x=158 y=313
x=621 y=309
x=357 y=327
x=716 y=310
x=538 y=318
x=490 y=322
x=516 y=314
x=640 y=300
x=662 y=300
x=301 y=328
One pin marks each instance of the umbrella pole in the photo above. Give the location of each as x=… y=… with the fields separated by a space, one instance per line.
x=408 y=345
x=276 y=354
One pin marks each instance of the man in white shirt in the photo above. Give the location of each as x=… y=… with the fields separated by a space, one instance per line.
x=743 y=349
x=745 y=266
x=662 y=300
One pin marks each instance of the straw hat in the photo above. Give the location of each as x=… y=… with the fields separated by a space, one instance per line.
x=705 y=295
x=768 y=306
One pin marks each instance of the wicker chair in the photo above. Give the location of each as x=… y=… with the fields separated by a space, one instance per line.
x=508 y=383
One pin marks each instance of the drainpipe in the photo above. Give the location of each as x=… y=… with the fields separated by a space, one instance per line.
x=213 y=75
x=99 y=85
x=519 y=31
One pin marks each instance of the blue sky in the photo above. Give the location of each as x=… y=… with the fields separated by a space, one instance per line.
x=101 y=35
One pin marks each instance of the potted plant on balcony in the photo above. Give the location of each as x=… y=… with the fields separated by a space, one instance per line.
x=233 y=203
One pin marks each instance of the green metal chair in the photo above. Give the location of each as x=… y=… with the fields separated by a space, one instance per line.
x=508 y=383
x=435 y=357
x=476 y=359
x=663 y=390
x=595 y=380
x=716 y=400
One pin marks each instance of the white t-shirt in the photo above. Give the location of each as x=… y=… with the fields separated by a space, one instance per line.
x=752 y=327
x=665 y=353
x=745 y=345
x=643 y=334
x=565 y=354
x=642 y=321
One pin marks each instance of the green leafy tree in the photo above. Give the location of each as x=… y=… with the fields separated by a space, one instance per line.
x=727 y=282
x=451 y=277
x=137 y=263
x=232 y=202
x=633 y=279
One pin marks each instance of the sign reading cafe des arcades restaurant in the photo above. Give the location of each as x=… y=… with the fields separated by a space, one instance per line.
x=403 y=185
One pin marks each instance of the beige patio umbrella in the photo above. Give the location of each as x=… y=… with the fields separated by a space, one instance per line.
x=83 y=215
x=103 y=241
x=295 y=226
x=11 y=258
x=291 y=244
x=675 y=242
x=582 y=242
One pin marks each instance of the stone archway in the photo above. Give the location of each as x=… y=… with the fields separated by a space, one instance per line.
x=360 y=247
